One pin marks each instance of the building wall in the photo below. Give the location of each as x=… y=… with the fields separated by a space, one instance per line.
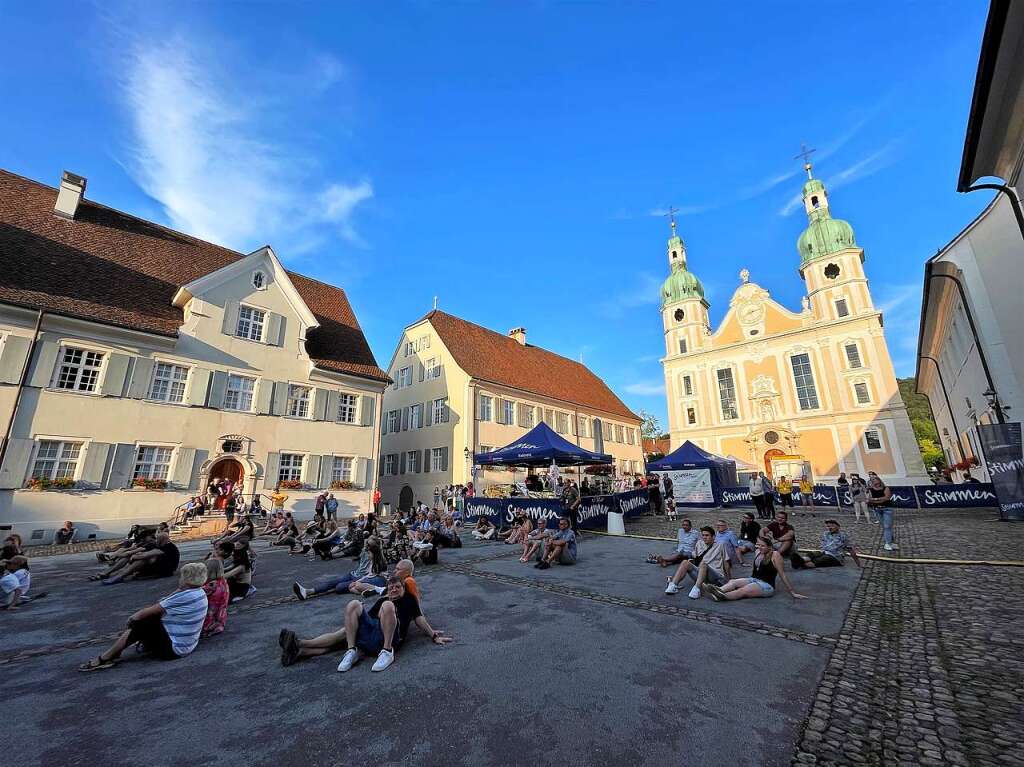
x=114 y=421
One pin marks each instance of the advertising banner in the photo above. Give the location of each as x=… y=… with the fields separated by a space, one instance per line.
x=691 y=486
x=956 y=496
x=1001 y=444
x=592 y=513
x=736 y=496
x=903 y=497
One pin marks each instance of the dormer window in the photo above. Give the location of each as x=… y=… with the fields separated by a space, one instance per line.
x=259 y=280
x=250 y=323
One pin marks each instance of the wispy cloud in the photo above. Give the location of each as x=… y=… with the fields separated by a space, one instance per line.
x=198 y=149
x=900 y=305
x=643 y=291
x=649 y=358
x=867 y=166
x=646 y=388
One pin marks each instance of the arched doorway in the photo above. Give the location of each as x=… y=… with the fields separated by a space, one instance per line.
x=769 y=454
x=230 y=469
x=405 y=498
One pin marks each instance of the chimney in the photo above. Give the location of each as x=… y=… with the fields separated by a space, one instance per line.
x=519 y=334
x=72 y=187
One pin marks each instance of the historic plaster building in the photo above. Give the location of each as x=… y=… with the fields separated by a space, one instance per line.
x=776 y=387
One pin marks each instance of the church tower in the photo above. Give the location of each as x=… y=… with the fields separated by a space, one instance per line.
x=683 y=308
x=831 y=263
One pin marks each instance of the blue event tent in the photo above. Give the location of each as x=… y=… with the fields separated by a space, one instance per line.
x=539 y=447
x=690 y=456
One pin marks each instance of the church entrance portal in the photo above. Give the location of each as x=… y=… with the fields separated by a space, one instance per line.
x=773 y=453
x=229 y=469
x=405 y=498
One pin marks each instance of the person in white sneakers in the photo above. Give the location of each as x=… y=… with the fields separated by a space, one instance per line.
x=710 y=564
x=880 y=496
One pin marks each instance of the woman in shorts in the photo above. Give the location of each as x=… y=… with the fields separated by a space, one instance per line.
x=768 y=565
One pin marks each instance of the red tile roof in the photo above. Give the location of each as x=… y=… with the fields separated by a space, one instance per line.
x=110 y=267
x=489 y=356
x=661 y=445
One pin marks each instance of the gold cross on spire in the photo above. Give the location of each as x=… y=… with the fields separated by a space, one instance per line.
x=806 y=153
x=671 y=215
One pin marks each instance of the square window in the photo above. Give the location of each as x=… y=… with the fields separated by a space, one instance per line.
x=873 y=441
x=439 y=459
x=79 y=369
x=56 y=460
x=861 y=390
x=290 y=467
x=842 y=310
x=853 y=356
x=152 y=462
x=341 y=469
x=347 y=408
x=250 y=323
x=168 y=382
x=238 y=393
x=298 y=401
x=485 y=407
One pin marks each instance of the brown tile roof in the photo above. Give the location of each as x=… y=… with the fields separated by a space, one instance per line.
x=114 y=268
x=662 y=445
x=490 y=356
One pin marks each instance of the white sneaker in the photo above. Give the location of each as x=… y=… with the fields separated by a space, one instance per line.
x=379 y=589
x=348 y=660
x=671 y=588
x=894 y=547
x=385 y=659
x=888 y=547
x=694 y=593
x=300 y=591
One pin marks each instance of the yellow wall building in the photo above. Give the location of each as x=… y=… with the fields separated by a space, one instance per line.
x=769 y=382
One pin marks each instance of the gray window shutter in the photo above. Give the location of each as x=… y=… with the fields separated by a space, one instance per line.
x=401 y=462
x=184 y=468
x=311 y=470
x=142 y=374
x=122 y=467
x=326 y=466
x=423 y=371
x=331 y=408
x=444 y=413
x=444 y=459
x=320 y=398
x=230 y=317
x=218 y=385
x=366 y=405
x=280 y=398
x=114 y=375
x=272 y=469
x=12 y=361
x=42 y=368
x=382 y=468
x=405 y=419
x=15 y=468
x=426 y=460
x=274 y=331
x=197 y=386
x=264 y=393
x=97 y=457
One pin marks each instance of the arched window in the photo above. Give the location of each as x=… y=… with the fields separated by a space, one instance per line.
x=259 y=280
x=814 y=201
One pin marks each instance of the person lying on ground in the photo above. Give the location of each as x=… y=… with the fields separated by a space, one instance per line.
x=561 y=547
x=372 y=568
x=768 y=564
x=238 y=573
x=169 y=629
x=379 y=631
x=535 y=541
x=710 y=564
x=484 y=530
x=834 y=546
x=218 y=594
x=687 y=538
x=159 y=562
x=288 y=536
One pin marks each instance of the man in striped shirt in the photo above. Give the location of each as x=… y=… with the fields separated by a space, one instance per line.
x=168 y=629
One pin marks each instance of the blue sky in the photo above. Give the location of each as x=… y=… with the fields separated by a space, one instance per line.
x=511 y=158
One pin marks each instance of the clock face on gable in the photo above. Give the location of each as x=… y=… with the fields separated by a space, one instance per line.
x=679 y=315
x=751 y=314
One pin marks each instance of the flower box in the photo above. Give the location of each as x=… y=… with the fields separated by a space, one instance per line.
x=343 y=484
x=42 y=483
x=291 y=484
x=150 y=484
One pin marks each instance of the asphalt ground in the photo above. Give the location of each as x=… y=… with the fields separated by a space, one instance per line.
x=583 y=665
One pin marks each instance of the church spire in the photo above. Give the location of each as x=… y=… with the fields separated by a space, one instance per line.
x=824 y=235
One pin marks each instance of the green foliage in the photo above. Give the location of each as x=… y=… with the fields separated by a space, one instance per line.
x=650 y=428
x=921 y=420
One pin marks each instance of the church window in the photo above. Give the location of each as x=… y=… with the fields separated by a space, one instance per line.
x=679 y=315
x=832 y=271
x=803 y=377
x=842 y=309
x=727 y=393
x=853 y=356
x=861 y=390
x=682 y=346
x=687 y=386
x=873 y=441
x=691 y=416
x=814 y=202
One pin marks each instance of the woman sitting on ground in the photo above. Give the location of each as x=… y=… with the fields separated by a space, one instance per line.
x=324 y=541
x=371 y=569
x=170 y=628
x=484 y=530
x=768 y=564
x=316 y=525
x=534 y=542
x=218 y=594
x=239 y=573
x=351 y=544
x=398 y=545
x=289 y=536
x=519 y=534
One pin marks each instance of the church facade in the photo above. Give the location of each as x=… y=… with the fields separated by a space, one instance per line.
x=789 y=392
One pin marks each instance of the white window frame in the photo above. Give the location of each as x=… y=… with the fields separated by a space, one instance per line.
x=390 y=465
x=347 y=412
x=796 y=385
x=291 y=467
x=86 y=350
x=79 y=460
x=336 y=476
x=403 y=378
x=151 y=394
x=432 y=368
x=439 y=411
x=867 y=388
x=529 y=416
x=392 y=421
x=509 y=411
x=172 y=455
x=251 y=322
x=846 y=355
x=630 y=436
x=416 y=416
x=561 y=422
x=228 y=390
x=881 y=443
x=620 y=433
x=735 y=409
x=299 y=406
x=436 y=459
x=581 y=425
x=413 y=461
x=485 y=407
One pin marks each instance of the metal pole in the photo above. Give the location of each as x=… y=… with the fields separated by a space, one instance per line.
x=949 y=407
x=977 y=341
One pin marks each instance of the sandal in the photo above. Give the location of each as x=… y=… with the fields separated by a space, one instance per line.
x=96 y=664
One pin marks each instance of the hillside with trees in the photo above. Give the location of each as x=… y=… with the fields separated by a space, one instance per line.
x=924 y=427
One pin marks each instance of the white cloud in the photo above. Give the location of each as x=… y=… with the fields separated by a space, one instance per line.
x=646 y=388
x=198 y=148
x=644 y=291
x=867 y=166
x=900 y=305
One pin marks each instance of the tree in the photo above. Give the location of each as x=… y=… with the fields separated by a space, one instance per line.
x=650 y=428
x=921 y=421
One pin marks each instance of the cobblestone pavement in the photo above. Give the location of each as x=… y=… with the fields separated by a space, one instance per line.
x=929 y=666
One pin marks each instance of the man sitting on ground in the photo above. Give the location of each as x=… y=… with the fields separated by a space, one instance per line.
x=710 y=564
x=121 y=557
x=66 y=534
x=560 y=547
x=160 y=562
x=834 y=545
x=379 y=631
x=749 y=533
x=728 y=536
x=404 y=569
x=783 y=534
x=687 y=538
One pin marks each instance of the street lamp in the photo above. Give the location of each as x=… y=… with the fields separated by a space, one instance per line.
x=466 y=455
x=992 y=398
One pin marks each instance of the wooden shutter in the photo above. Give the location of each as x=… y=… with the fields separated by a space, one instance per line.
x=274 y=330
x=311 y=470
x=331 y=407
x=280 y=402
x=264 y=393
x=362 y=471
x=271 y=471
x=184 y=468
x=198 y=386
x=123 y=464
x=366 y=406
x=444 y=411
x=405 y=418
x=426 y=460
x=45 y=361
x=230 y=318
x=142 y=374
x=401 y=462
x=319 y=405
x=218 y=385
x=444 y=459
x=114 y=374
x=94 y=468
x=326 y=467
x=13 y=358
x=15 y=468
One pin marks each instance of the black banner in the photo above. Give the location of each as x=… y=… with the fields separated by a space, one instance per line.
x=1001 y=444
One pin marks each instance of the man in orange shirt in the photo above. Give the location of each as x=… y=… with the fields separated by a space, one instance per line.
x=403 y=569
x=376 y=500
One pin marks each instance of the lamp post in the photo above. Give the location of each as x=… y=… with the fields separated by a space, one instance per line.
x=466 y=454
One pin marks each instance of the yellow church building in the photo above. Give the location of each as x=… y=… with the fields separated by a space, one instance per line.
x=787 y=391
